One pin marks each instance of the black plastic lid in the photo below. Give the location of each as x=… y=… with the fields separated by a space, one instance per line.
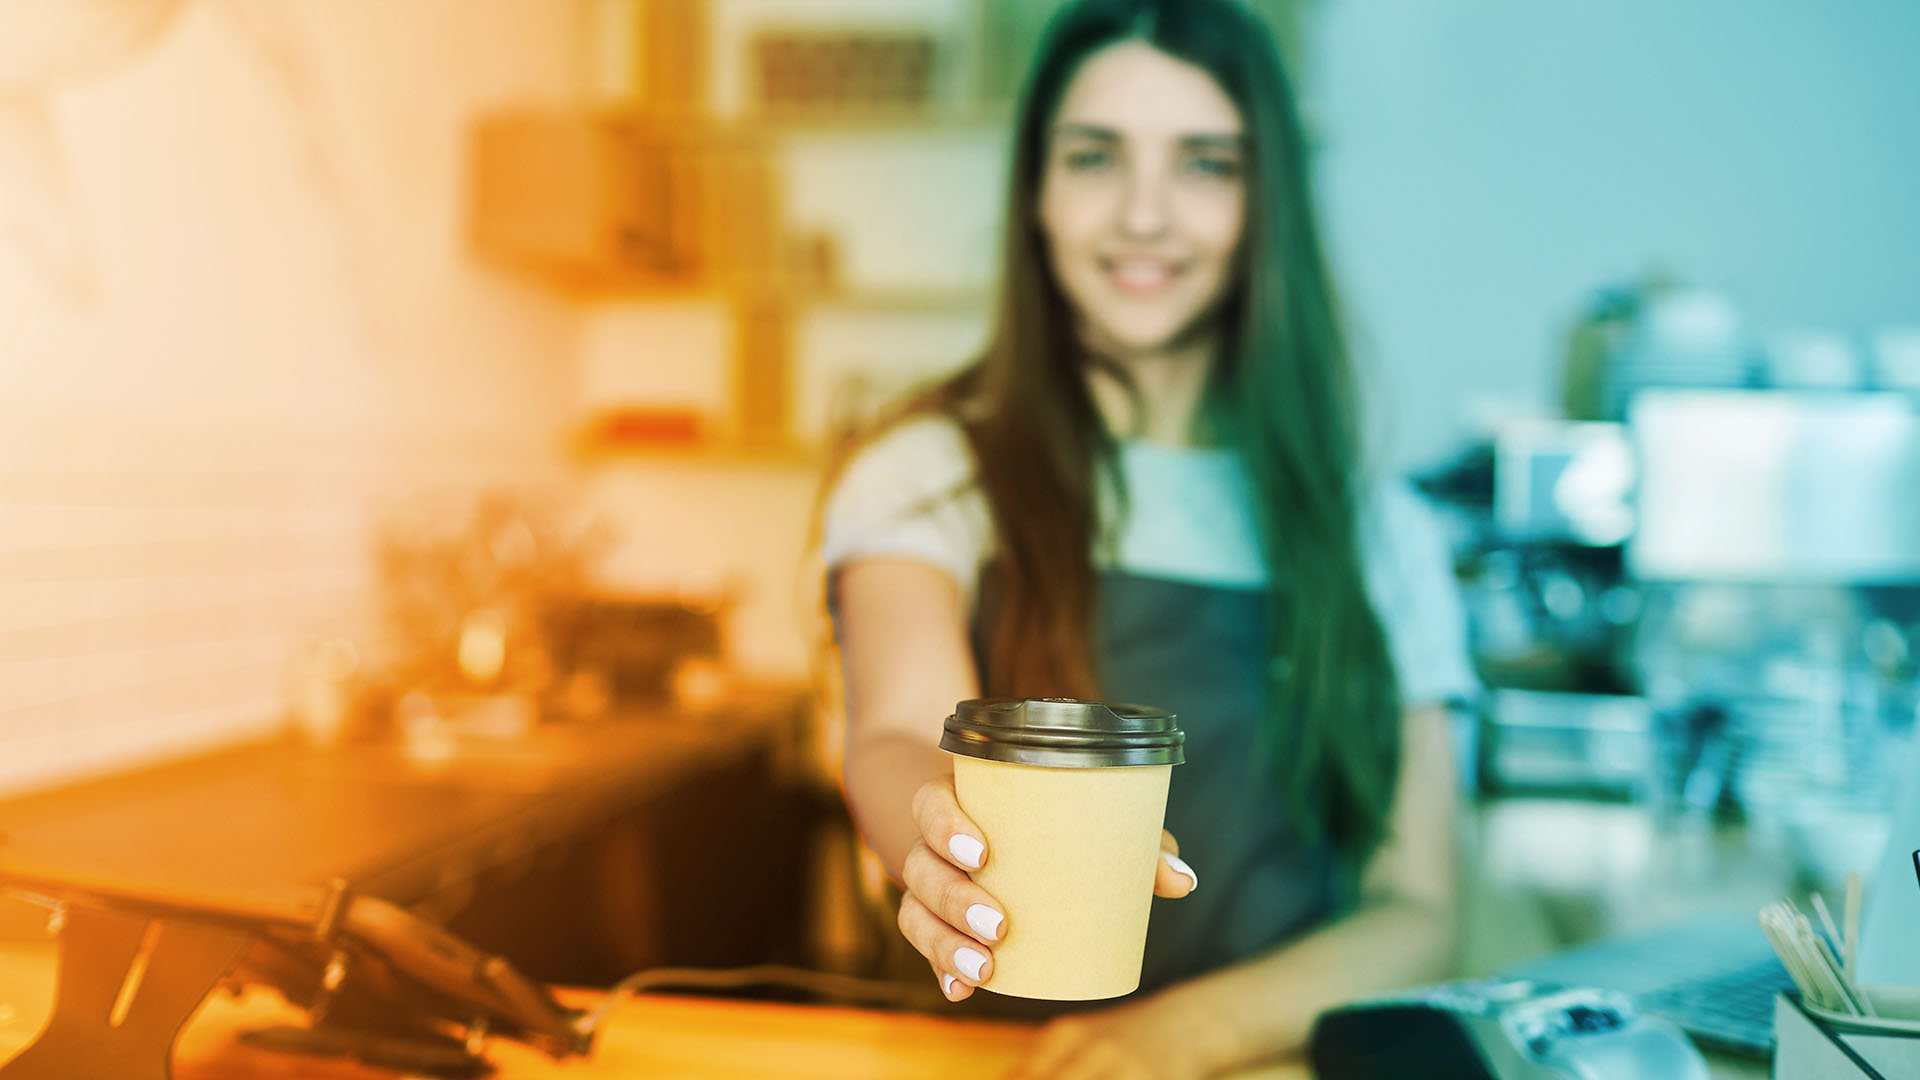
x=1063 y=733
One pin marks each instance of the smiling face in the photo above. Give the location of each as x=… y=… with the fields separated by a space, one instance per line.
x=1143 y=198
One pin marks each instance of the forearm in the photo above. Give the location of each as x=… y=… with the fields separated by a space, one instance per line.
x=1264 y=1008
x=882 y=773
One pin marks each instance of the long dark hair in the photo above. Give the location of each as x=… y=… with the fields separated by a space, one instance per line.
x=1282 y=392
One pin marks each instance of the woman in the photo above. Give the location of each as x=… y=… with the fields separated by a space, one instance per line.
x=1146 y=490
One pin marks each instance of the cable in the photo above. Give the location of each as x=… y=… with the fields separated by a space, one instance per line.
x=827 y=984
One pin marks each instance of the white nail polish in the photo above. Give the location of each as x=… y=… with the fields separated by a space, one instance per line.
x=1181 y=866
x=985 y=921
x=966 y=849
x=971 y=961
x=946 y=983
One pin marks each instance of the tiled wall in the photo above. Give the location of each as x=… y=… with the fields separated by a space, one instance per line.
x=267 y=334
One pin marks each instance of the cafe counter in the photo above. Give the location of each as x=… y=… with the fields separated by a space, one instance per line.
x=650 y=1035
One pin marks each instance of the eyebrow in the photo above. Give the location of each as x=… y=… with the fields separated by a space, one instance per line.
x=1104 y=134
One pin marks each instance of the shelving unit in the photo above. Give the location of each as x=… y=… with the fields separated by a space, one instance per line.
x=677 y=196
x=668 y=200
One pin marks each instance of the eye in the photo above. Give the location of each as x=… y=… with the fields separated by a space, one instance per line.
x=1087 y=158
x=1214 y=166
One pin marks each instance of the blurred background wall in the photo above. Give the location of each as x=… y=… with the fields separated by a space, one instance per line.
x=1486 y=164
x=237 y=320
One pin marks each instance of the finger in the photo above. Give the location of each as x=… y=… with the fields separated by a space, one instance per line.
x=946 y=828
x=953 y=896
x=951 y=985
x=947 y=949
x=1173 y=878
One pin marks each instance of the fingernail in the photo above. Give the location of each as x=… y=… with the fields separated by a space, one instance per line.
x=971 y=961
x=946 y=983
x=1180 y=865
x=985 y=921
x=966 y=849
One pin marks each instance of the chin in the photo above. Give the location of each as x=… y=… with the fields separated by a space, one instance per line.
x=1131 y=344
x=1144 y=337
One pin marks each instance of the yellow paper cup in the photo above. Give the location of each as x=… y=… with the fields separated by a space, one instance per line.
x=1072 y=796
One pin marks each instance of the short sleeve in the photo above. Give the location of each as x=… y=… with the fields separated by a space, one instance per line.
x=911 y=494
x=1411 y=583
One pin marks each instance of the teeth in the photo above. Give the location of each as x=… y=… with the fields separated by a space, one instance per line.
x=1143 y=274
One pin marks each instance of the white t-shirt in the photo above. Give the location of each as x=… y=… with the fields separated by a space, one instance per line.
x=912 y=494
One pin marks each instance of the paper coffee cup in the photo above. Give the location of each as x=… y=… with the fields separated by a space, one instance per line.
x=1072 y=796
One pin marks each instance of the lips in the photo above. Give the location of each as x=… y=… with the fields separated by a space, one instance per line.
x=1141 y=276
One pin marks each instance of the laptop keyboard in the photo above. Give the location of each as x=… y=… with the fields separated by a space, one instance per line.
x=1732 y=1009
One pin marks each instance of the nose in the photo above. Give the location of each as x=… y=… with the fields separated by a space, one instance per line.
x=1143 y=210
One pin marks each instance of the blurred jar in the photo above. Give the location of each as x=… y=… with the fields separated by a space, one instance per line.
x=322 y=689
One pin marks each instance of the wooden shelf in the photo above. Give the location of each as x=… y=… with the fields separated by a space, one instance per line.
x=867 y=119
x=591 y=447
x=897 y=299
x=613 y=287
x=795 y=456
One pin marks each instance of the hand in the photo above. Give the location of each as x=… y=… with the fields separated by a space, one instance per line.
x=953 y=922
x=1146 y=1040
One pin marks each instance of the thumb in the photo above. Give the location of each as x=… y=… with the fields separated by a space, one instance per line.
x=1173 y=878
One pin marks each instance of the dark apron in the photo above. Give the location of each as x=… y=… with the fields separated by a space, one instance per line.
x=1200 y=651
